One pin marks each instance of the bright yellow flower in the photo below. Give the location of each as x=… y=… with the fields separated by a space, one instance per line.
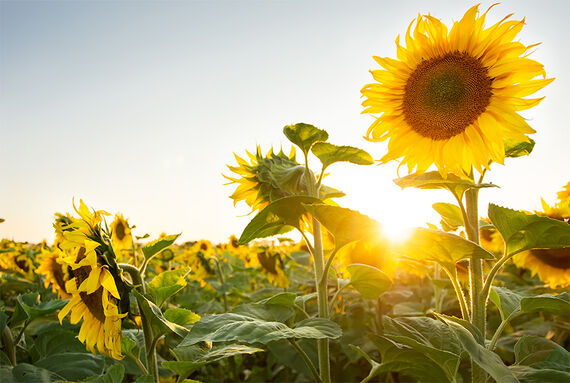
x=452 y=97
x=272 y=267
x=56 y=272
x=564 y=194
x=121 y=236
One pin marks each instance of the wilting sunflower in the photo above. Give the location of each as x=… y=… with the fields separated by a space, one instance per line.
x=551 y=265
x=121 y=236
x=55 y=271
x=451 y=98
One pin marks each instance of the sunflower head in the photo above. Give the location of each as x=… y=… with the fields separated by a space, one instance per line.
x=451 y=97
x=121 y=236
x=55 y=271
x=266 y=178
x=272 y=266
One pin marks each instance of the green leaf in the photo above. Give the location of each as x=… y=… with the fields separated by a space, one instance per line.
x=433 y=180
x=114 y=374
x=527 y=374
x=232 y=327
x=462 y=322
x=160 y=325
x=182 y=368
x=27 y=373
x=3 y=320
x=329 y=154
x=407 y=361
x=368 y=281
x=450 y=214
x=156 y=246
x=522 y=231
x=431 y=337
x=305 y=135
x=486 y=359
x=285 y=299
x=145 y=379
x=72 y=366
x=508 y=302
x=541 y=353
x=166 y=284
x=519 y=149
x=181 y=316
x=554 y=304
x=275 y=217
x=27 y=308
x=345 y=225
x=444 y=248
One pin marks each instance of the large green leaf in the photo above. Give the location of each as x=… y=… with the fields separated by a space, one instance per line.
x=450 y=214
x=28 y=308
x=442 y=247
x=232 y=327
x=433 y=180
x=554 y=304
x=160 y=325
x=522 y=231
x=526 y=374
x=168 y=283
x=329 y=154
x=27 y=373
x=407 y=361
x=275 y=217
x=284 y=298
x=368 y=281
x=345 y=225
x=181 y=316
x=305 y=135
x=431 y=337
x=183 y=368
x=541 y=353
x=156 y=246
x=113 y=374
x=486 y=359
x=508 y=302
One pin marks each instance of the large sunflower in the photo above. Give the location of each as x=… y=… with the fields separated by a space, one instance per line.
x=552 y=266
x=55 y=271
x=451 y=98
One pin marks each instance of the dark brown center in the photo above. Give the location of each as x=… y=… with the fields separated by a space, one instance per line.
x=557 y=258
x=268 y=262
x=446 y=94
x=120 y=230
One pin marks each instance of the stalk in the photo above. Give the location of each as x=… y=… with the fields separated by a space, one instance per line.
x=149 y=342
x=478 y=306
x=9 y=345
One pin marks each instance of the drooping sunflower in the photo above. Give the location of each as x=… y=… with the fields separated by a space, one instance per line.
x=55 y=271
x=121 y=236
x=93 y=284
x=452 y=97
x=552 y=266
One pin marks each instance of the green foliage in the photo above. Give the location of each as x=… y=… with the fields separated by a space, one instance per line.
x=555 y=304
x=181 y=316
x=345 y=225
x=114 y=374
x=450 y=214
x=160 y=325
x=433 y=180
x=166 y=284
x=152 y=248
x=28 y=308
x=368 y=281
x=232 y=327
x=329 y=154
x=276 y=218
x=305 y=135
x=444 y=248
x=522 y=231
x=519 y=149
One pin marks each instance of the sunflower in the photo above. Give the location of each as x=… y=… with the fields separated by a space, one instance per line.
x=272 y=266
x=373 y=252
x=564 y=194
x=451 y=98
x=56 y=272
x=121 y=236
x=93 y=283
x=17 y=257
x=552 y=266
x=257 y=184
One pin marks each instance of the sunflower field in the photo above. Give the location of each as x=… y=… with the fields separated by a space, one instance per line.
x=311 y=291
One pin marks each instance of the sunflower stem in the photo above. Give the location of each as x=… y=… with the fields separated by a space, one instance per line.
x=478 y=305
x=459 y=293
x=222 y=282
x=307 y=360
x=146 y=327
x=9 y=345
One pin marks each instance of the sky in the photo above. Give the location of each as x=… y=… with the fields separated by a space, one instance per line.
x=137 y=107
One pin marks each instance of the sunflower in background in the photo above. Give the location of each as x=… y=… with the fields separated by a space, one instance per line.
x=94 y=282
x=552 y=266
x=452 y=97
x=272 y=266
x=55 y=271
x=17 y=257
x=121 y=236
x=199 y=256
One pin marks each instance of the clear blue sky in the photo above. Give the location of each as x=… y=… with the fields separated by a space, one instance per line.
x=136 y=107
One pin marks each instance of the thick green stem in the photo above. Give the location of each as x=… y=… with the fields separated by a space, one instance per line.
x=322 y=300
x=149 y=340
x=478 y=305
x=9 y=345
